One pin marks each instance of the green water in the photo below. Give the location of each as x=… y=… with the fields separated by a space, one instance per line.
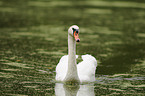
x=33 y=37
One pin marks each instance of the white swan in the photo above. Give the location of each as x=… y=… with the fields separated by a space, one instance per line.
x=67 y=70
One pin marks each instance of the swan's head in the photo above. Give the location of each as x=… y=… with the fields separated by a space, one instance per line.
x=74 y=31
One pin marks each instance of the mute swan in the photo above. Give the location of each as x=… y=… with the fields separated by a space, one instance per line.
x=67 y=70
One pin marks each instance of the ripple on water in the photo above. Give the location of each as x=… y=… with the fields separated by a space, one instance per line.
x=97 y=11
x=21 y=65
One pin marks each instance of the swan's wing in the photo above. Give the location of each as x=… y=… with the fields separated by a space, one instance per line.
x=86 y=68
x=61 y=68
x=90 y=59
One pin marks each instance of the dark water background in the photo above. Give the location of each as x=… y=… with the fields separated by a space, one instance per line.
x=33 y=37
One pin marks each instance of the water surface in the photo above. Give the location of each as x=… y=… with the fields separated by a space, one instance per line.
x=33 y=37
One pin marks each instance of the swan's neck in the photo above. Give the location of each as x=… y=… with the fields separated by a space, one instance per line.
x=72 y=75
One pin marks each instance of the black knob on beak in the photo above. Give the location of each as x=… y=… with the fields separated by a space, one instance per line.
x=78 y=40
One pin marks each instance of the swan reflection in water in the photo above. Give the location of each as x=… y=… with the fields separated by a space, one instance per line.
x=74 y=90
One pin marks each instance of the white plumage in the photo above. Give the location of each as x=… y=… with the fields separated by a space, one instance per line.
x=86 y=68
x=67 y=70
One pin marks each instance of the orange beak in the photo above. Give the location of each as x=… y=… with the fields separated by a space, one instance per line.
x=76 y=35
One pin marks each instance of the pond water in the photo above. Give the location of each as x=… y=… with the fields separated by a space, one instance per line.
x=33 y=37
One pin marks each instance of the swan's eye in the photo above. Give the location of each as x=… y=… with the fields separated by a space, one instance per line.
x=73 y=29
x=77 y=31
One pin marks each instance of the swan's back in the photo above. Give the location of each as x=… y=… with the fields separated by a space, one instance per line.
x=86 y=68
